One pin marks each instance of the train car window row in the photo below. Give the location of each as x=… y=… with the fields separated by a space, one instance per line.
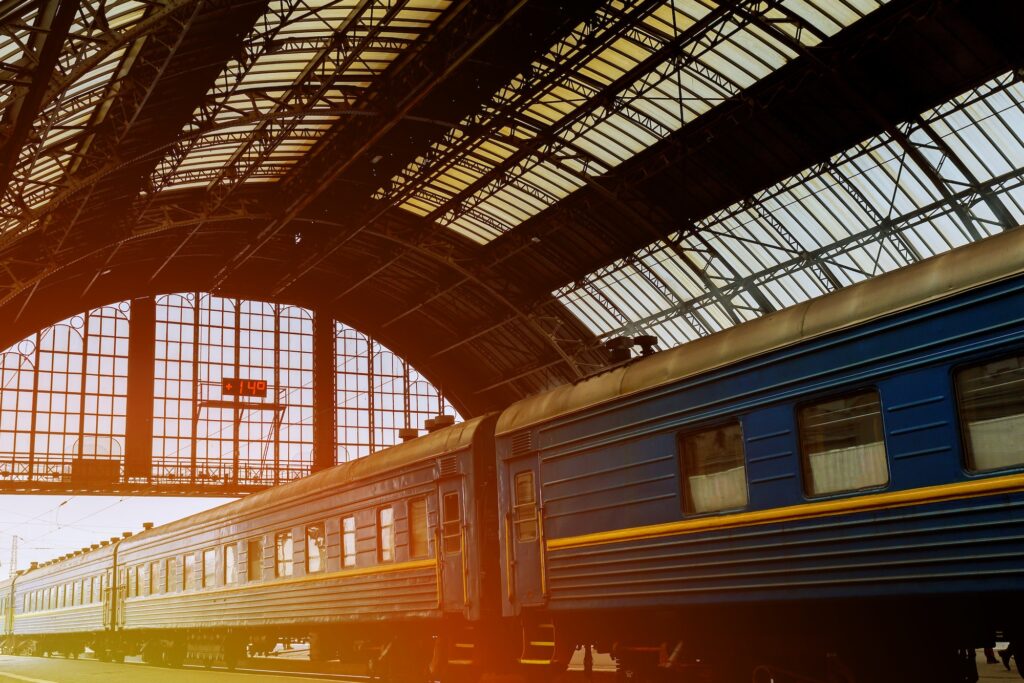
x=158 y=576
x=990 y=398
x=842 y=444
x=713 y=468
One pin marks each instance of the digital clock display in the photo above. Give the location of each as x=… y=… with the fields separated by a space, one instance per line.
x=231 y=386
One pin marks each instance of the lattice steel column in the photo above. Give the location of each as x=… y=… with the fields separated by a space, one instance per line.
x=138 y=437
x=324 y=415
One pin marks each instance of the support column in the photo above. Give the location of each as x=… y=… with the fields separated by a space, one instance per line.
x=138 y=448
x=324 y=414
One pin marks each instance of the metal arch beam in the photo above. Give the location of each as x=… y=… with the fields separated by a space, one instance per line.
x=53 y=24
x=467 y=27
x=616 y=23
x=994 y=204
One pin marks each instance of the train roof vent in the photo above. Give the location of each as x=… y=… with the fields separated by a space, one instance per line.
x=447 y=466
x=522 y=443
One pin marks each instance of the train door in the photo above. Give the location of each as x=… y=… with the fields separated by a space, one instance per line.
x=525 y=524
x=453 y=546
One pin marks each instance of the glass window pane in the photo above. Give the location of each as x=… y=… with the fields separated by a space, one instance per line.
x=418 y=546
x=991 y=400
x=316 y=548
x=209 y=568
x=230 y=564
x=451 y=527
x=348 y=541
x=714 y=473
x=843 y=444
x=283 y=554
x=385 y=535
x=188 y=575
x=254 y=559
x=524 y=512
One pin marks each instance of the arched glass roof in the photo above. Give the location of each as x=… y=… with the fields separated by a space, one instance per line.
x=628 y=89
x=504 y=177
x=951 y=175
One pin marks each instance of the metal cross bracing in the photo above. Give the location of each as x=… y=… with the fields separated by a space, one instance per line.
x=879 y=233
x=96 y=44
x=313 y=84
x=463 y=30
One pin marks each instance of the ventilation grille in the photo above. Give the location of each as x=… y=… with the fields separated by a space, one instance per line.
x=522 y=443
x=447 y=466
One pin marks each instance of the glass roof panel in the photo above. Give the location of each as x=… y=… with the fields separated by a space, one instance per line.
x=953 y=175
x=304 y=65
x=624 y=91
x=61 y=133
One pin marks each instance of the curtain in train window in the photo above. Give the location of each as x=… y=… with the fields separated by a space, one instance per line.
x=230 y=564
x=385 y=534
x=254 y=559
x=188 y=572
x=714 y=473
x=316 y=548
x=209 y=568
x=843 y=445
x=418 y=546
x=283 y=554
x=991 y=399
x=348 y=541
x=524 y=510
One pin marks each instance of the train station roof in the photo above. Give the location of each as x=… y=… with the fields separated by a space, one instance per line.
x=494 y=189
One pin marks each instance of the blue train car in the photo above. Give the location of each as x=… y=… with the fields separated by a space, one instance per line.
x=841 y=482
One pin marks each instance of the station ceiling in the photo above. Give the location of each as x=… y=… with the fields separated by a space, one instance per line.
x=493 y=189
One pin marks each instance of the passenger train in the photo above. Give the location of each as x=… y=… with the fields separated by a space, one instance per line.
x=834 y=492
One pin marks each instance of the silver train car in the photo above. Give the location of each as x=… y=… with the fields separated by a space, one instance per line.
x=391 y=555
x=820 y=491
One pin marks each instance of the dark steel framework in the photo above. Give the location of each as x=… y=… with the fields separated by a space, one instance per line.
x=493 y=189
x=65 y=422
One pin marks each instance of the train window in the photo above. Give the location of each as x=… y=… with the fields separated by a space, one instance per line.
x=254 y=559
x=209 y=568
x=991 y=401
x=385 y=534
x=154 y=577
x=348 y=541
x=524 y=510
x=77 y=598
x=230 y=564
x=714 y=473
x=418 y=544
x=316 y=549
x=843 y=445
x=283 y=554
x=451 y=522
x=133 y=581
x=168 y=574
x=188 y=572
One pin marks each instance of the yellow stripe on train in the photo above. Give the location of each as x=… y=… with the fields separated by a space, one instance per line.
x=864 y=503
